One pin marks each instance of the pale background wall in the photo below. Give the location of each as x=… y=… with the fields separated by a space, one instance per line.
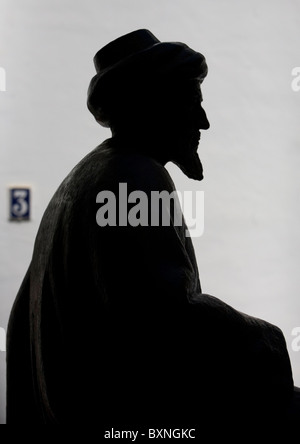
x=249 y=255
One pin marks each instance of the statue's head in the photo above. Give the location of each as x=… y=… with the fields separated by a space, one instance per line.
x=149 y=94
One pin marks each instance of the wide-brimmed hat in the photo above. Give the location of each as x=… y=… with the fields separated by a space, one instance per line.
x=139 y=57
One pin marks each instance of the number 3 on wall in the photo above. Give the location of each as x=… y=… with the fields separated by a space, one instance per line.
x=20 y=204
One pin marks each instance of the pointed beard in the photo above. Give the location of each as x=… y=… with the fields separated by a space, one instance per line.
x=191 y=166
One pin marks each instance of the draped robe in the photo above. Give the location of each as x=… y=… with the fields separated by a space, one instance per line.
x=111 y=325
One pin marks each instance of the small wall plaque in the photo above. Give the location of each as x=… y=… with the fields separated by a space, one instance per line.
x=20 y=204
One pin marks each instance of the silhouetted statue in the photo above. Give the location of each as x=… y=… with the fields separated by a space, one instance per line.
x=110 y=325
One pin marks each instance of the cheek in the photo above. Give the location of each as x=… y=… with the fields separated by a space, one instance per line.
x=179 y=119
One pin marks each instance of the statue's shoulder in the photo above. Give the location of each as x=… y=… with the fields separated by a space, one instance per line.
x=107 y=167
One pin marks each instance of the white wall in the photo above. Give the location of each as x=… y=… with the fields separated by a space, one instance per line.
x=249 y=255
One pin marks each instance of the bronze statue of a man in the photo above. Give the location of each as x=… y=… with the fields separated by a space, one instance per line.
x=110 y=325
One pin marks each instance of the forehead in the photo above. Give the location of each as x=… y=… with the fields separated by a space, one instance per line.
x=189 y=90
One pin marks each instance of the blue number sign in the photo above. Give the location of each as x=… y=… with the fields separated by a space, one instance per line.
x=20 y=204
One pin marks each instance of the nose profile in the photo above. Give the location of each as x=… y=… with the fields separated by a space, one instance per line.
x=203 y=120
